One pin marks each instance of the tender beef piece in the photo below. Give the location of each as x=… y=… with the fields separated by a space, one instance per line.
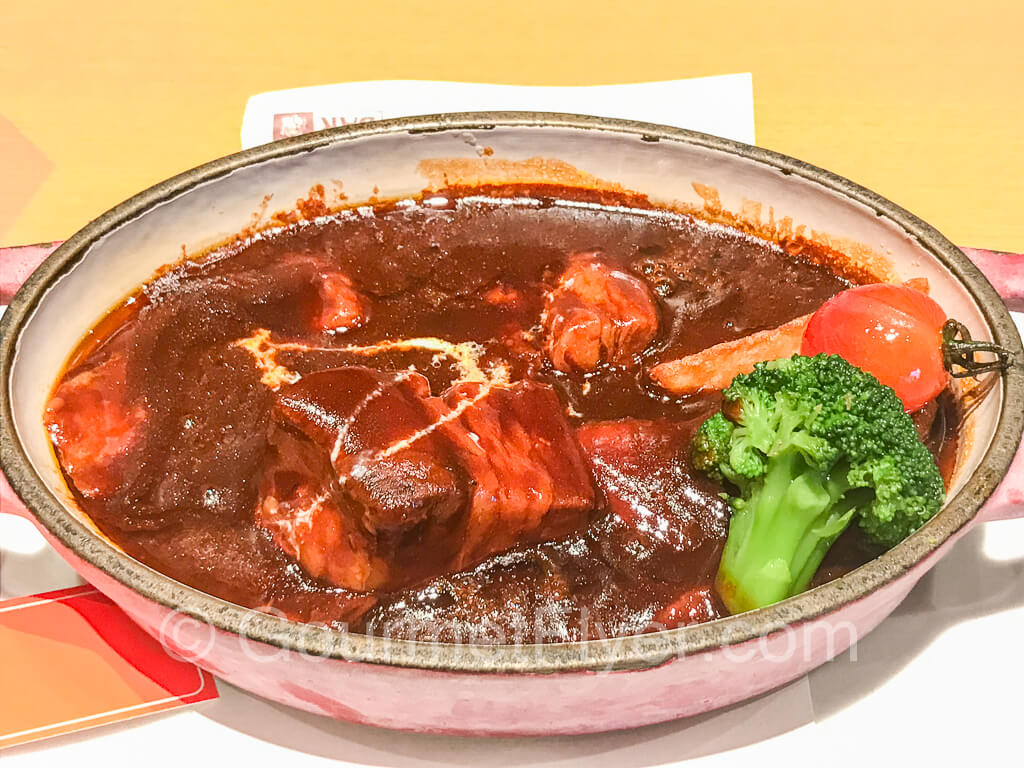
x=515 y=597
x=401 y=491
x=362 y=418
x=502 y=295
x=314 y=531
x=692 y=607
x=559 y=591
x=300 y=508
x=199 y=456
x=353 y=409
x=672 y=521
x=233 y=563
x=296 y=292
x=342 y=307
x=392 y=486
x=597 y=314
x=363 y=498
x=530 y=482
x=94 y=426
x=206 y=411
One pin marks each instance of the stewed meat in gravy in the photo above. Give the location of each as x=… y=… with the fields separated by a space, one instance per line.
x=433 y=418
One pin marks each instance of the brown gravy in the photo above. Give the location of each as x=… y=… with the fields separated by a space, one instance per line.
x=468 y=266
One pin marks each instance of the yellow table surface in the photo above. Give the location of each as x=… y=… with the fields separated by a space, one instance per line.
x=921 y=101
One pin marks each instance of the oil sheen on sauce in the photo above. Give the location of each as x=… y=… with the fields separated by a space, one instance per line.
x=469 y=269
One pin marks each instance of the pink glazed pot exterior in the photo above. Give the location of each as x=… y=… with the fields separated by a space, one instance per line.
x=498 y=690
x=467 y=703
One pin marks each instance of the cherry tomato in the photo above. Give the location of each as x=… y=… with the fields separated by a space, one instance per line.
x=893 y=332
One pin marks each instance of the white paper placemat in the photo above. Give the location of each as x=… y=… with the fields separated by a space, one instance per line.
x=722 y=105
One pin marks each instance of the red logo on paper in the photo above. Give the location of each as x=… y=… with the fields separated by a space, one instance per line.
x=292 y=124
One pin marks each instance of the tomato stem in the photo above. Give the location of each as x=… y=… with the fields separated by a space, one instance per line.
x=959 y=350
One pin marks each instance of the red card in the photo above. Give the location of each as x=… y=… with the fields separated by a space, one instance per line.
x=71 y=660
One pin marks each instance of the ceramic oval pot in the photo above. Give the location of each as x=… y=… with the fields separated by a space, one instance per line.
x=532 y=689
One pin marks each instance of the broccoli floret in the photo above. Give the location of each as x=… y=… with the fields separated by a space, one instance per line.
x=811 y=443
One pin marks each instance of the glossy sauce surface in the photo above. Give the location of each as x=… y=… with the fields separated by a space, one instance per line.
x=202 y=436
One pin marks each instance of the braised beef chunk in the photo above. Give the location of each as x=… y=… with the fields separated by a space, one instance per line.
x=341 y=306
x=353 y=409
x=392 y=485
x=479 y=606
x=400 y=491
x=554 y=591
x=168 y=485
x=562 y=590
x=675 y=515
x=597 y=314
x=296 y=291
x=529 y=479
x=691 y=607
x=198 y=453
x=236 y=563
x=364 y=500
x=362 y=419
x=662 y=539
x=309 y=520
x=93 y=426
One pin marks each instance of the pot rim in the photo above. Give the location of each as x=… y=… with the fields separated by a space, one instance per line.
x=621 y=653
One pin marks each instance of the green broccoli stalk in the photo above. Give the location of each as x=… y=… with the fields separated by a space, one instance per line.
x=810 y=443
